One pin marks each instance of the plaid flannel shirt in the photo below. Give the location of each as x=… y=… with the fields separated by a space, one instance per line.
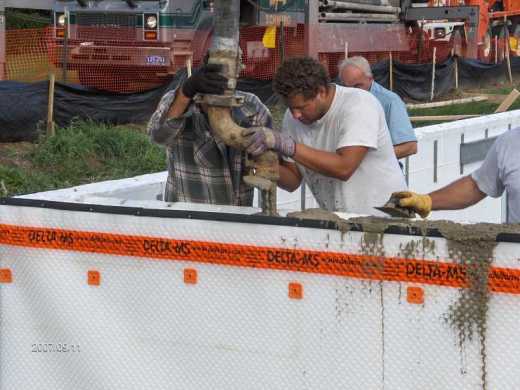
x=201 y=168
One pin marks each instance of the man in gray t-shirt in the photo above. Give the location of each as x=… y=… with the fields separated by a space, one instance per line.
x=500 y=171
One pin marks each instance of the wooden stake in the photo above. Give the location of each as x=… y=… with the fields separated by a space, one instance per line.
x=391 y=70
x=188 y=66
x=456 y=73
x=433 y=72
x=496 y=49
x=3 y=67
x=50 y=106
x=508 y=58
x=282 y=42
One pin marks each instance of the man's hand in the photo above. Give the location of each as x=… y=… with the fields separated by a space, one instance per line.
x=421 y=204
x=260 y=139
x=206 y=79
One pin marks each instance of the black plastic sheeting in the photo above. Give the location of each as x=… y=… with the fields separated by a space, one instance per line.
x=23 y=107
x=415 y=81
x=476 y=74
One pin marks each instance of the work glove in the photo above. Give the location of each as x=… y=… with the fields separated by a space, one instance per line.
x=260 y=139
x=206 y=79
x=421 y=204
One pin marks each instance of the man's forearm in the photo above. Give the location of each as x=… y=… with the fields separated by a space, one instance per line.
x=163 y=128
x=289 y=180
x=457 y=195
x=330 y=164
x=180 y=105
x=405 y=149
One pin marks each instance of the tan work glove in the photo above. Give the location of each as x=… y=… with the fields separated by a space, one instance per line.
x=421 y=204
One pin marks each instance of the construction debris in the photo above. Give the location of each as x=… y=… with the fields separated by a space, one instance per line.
x=447 y=102
x=439 y=118
x=508 y=101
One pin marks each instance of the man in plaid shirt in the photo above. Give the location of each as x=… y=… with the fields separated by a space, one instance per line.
x=201 y=168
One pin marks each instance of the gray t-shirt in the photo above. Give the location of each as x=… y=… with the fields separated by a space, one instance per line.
x=501 y=171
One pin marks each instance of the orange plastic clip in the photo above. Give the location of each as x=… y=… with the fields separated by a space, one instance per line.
x=295 y=290
x=93 y=278
x=190 y=276
x=415 y=295
x=6 y=276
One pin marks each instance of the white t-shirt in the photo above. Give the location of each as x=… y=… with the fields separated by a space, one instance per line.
x=501 y=171
x=355 y=118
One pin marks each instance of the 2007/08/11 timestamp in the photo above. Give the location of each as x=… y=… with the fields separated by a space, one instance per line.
x=55 y=347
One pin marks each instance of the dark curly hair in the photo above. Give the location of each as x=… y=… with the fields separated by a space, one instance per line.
x=300 y=75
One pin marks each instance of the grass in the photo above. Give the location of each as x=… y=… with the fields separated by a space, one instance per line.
x=480 y=108
x=82 y=153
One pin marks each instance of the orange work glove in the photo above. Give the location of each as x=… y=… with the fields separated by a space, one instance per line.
x=421 y=204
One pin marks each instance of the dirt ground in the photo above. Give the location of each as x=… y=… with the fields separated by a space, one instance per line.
x=16 y=154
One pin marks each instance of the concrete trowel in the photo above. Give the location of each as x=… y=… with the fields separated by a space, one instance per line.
x=392 y=208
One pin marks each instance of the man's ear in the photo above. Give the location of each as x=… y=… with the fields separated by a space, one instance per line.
x=322 y=91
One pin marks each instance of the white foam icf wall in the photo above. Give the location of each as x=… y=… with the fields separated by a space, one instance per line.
x=145 y=326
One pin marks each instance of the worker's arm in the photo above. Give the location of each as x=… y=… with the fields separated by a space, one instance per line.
x=401 y=129
x=179 y=106
x=405 y=149
x=168 y=120
x=460 y=194
x=161 y=129
x=340 y=165
x=290 y=177
x=465 y=192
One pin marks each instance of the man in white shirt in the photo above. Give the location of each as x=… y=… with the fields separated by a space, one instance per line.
x=334 y=138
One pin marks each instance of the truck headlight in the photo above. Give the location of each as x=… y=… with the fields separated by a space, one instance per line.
x=151 y=21
x=60 y=20
x=439 y=32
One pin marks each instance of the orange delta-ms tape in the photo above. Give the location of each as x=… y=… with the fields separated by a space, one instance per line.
x=505 y=280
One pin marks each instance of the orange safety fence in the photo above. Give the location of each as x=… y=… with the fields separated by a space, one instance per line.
x=26 y=54
x=120 y=60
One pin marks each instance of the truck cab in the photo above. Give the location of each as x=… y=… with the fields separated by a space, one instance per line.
x=129 y=45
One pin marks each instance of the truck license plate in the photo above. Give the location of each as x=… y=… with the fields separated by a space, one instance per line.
x=155 y=60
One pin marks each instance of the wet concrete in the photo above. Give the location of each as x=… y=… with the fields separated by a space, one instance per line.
x=322 y=215
x=448 y=229
x=471 y=245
